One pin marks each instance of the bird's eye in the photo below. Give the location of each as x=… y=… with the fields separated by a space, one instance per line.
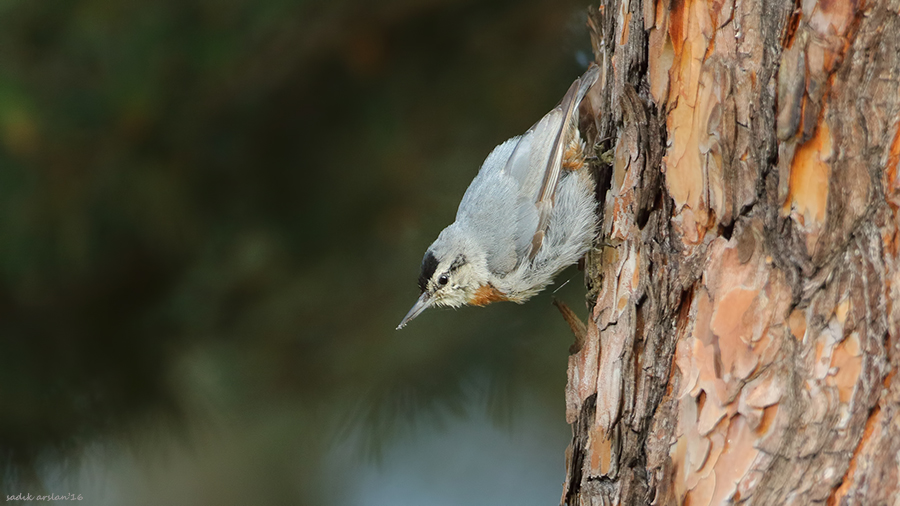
x=443 y=279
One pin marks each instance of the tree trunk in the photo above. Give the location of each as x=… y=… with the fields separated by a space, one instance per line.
x=743 y=337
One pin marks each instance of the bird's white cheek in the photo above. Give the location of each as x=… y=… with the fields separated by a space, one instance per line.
x=454 y=297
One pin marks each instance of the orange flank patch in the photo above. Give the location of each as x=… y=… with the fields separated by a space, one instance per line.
x=487 y=294
x=573 y=159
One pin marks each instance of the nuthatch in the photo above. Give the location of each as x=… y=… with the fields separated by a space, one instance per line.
x=528 y=214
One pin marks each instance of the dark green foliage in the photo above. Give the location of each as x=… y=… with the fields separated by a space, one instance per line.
x=229 y=200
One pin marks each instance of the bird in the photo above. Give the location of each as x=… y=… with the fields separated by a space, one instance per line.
x=529 y=213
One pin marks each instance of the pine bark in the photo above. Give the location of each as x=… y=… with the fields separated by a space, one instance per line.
x=743 y=338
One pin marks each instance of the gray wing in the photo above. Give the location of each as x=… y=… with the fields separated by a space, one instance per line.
x=509 y=203
x=488 y=210
x=537 y=161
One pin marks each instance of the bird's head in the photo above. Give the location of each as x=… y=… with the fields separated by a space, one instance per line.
x=454 y=273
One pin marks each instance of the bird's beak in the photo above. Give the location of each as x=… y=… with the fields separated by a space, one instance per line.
x=421 y=305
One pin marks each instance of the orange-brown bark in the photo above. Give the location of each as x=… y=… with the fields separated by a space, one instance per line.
x=743 y=329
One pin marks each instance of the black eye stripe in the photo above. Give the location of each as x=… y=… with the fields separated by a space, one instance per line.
x=429 y=264
x=458 y=262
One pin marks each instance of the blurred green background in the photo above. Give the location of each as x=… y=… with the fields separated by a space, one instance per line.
x=213 y=214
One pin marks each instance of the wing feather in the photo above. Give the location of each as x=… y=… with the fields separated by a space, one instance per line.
x=569 y=108
x=511 y=199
